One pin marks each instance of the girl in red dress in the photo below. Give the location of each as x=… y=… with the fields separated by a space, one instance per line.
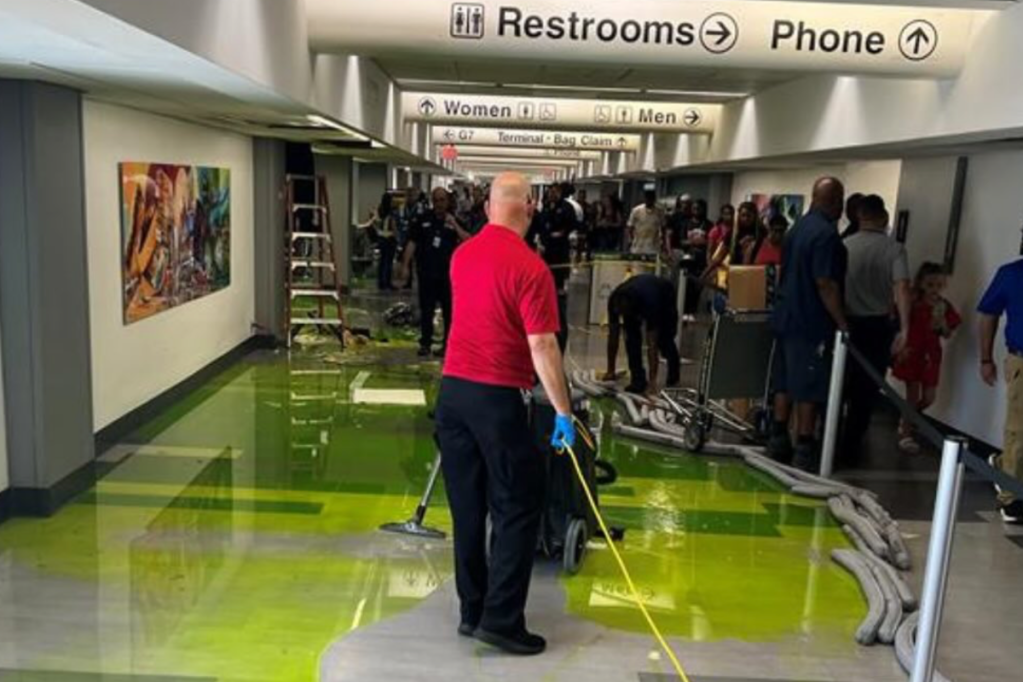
x=932 y=320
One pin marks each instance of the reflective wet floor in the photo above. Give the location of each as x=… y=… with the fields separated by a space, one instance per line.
x=234 y=538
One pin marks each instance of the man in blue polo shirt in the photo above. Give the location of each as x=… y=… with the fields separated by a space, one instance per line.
x=1005 y=297
x=808 y=309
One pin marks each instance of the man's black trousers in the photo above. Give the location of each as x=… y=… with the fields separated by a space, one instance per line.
x=433 y=292
x=667 y=329
x=873 y=337
x=492 y=465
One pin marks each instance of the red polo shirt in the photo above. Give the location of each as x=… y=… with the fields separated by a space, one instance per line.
x=503 y=292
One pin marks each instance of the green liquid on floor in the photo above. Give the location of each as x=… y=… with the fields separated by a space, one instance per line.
x=235 y=537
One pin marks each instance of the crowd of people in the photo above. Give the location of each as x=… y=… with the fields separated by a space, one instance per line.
x=476 y=255
x=857 y=280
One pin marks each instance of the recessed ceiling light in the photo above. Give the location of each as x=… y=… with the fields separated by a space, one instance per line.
x=699 y=93
x=572 y=88
x=445 y=84
x=325 y=122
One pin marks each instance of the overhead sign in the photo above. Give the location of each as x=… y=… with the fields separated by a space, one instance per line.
x=791 y=36
x=505 y=137
x=501 y=160
x=469 y=152
x=568 y=114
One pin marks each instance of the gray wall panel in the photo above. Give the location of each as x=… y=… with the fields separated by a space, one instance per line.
x=44 y=283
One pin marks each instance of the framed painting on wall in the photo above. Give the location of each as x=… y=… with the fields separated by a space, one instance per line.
x=175 y=235
x=788 y=205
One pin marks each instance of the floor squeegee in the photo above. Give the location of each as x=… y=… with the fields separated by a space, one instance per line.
x=414 y=526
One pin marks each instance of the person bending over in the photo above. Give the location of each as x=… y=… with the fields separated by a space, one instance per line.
x=505 y=321
x=644 y=302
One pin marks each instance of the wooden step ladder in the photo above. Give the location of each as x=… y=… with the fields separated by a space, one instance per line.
x=312 y=281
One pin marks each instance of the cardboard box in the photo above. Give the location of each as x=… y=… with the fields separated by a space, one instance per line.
x=747 y=287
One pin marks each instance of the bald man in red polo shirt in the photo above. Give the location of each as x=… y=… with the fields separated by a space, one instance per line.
x=503 y=336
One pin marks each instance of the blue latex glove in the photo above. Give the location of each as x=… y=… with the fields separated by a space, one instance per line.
x=564 y=432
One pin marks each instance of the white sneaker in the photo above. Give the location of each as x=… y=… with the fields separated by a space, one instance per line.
x=908 y=444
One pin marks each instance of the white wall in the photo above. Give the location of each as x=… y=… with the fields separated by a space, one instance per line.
x=132 y=364
x=989 y=237
x=866 y=177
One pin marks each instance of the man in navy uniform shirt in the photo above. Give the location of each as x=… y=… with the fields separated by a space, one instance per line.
x=432 y=239
x=808 y=310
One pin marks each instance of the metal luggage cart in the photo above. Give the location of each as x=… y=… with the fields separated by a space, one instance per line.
x=736 y=364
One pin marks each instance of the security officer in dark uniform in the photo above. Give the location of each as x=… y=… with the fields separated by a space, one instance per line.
x=559 y=221
x=433 y=237
x=650 y=302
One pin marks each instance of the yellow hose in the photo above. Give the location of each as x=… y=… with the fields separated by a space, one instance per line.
x=614 y=550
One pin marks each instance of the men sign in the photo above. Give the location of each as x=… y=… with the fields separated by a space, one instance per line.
x=567 y=114
x=877 y=38
x=554 y=139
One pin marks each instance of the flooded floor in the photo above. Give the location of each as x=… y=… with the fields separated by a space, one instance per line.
x=235 y=538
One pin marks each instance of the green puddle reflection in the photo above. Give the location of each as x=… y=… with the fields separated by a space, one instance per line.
x=235 y=537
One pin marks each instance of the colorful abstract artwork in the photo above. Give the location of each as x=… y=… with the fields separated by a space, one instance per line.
x=788 y=205
x=175 y=235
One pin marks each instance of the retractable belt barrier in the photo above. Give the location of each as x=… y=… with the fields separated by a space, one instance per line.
x=565 y=448
x=930 y=431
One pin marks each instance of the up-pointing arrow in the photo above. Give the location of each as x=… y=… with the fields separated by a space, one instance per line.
x=427 y=106
x=917 y=38
x=622 y=142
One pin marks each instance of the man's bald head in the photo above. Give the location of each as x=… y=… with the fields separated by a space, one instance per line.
x=829 y=197
x=511 y=202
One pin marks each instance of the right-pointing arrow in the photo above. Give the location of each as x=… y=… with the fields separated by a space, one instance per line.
x=722 y=34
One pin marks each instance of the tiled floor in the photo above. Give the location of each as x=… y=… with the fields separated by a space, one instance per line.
x=234 y=538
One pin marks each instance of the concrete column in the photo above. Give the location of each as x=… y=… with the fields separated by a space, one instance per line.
x=44 y=295
x=269 y=213
x=338 y=172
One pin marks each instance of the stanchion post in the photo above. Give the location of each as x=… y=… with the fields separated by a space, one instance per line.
x=834 y=412
x=939 y=558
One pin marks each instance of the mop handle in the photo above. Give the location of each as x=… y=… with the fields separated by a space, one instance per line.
x=428 y=493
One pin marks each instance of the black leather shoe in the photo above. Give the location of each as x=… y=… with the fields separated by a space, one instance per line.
x=466 y=629
x=807 y=459
x=522 y=644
